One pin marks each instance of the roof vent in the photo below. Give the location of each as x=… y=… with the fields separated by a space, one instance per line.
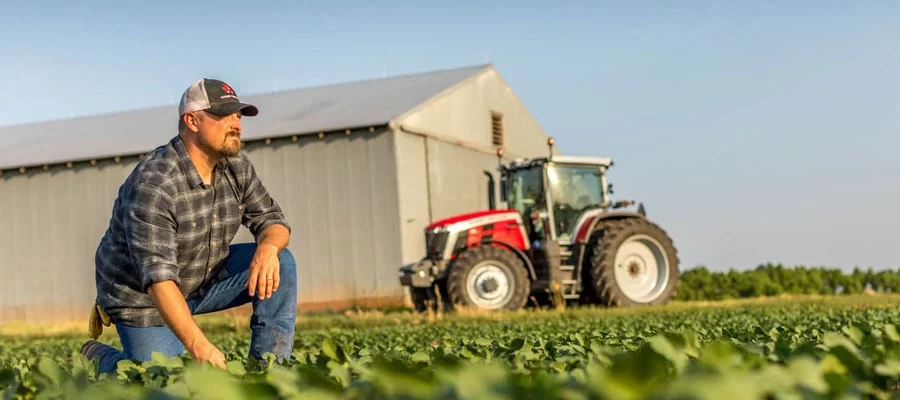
x=497 y=135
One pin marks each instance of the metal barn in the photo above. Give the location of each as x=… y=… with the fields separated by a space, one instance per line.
x=360 y=169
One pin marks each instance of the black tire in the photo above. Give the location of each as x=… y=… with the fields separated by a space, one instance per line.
x=425 y=299
x=421 y=298
x=588 y=295
x=611 y=235
x=470 y=261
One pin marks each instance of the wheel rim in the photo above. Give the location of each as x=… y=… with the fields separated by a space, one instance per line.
x=642 y=268
x=489 y=286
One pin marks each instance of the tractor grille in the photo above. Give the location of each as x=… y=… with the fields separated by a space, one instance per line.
x=435 y=243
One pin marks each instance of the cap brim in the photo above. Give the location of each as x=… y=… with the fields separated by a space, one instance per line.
x=247 y=110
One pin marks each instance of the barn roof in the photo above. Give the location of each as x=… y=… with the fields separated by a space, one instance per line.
x=359 y=104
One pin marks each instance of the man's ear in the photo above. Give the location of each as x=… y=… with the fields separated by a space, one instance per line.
x=192 y=121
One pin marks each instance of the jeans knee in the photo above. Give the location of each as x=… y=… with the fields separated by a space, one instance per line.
x=286 y=257
x=287 y=267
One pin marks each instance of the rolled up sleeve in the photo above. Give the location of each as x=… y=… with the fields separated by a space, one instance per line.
x=150 y=229
x=151 y=274
x=260 y=209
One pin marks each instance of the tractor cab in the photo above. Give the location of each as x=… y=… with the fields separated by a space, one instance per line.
x=552 y=194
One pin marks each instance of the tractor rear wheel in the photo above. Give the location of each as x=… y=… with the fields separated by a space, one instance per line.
x=634 y=263
x=490 y=278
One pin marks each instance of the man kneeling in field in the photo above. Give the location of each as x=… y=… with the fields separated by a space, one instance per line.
x=167 y=255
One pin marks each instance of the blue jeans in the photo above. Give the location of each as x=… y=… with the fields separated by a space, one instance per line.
x=271 y=324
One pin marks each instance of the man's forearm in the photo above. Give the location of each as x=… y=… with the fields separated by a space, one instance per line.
x=175 y=312
x=274 y=235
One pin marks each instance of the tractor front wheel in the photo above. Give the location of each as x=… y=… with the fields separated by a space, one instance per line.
x=489 y=278
x=634 y=263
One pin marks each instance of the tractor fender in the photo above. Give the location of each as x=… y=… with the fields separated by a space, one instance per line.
x=518 y=252
x=613 y=215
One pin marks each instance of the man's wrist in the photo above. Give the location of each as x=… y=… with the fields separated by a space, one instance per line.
x=274 y=237
x=265 y=246
x=196 y=343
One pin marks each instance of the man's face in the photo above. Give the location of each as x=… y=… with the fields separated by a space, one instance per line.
x=220 y=134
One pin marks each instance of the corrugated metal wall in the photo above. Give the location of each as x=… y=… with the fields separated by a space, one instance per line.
x=457 y=181
x=339 y=193
x=51 y=223
x=412 y=167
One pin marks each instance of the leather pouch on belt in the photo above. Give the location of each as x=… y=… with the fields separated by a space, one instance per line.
x=97 y=321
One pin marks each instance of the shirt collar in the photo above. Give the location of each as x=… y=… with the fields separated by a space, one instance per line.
x=184 y=160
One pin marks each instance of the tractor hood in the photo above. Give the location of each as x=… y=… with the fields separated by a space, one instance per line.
x=467 y=216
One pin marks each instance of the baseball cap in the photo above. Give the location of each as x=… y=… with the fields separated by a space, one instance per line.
x=215 y=97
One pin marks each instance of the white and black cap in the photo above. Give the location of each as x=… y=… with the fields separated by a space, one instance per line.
x=215 y=97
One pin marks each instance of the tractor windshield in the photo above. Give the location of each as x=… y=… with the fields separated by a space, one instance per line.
x=574 y=190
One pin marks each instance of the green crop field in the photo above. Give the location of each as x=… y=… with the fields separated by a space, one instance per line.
x=807 y=347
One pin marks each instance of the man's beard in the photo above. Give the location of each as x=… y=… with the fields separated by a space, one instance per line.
x=231 y=148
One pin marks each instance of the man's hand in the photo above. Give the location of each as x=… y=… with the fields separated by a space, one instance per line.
x=204 y=351
x=264 y=272
x=264 y=268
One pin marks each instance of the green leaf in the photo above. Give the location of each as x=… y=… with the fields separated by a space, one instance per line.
x=808 y=374
x=341 y=374
x=420 y=357
x=236 y=367
x=52 y=371
x=890 y=331
x=890 y=368
x=854 y=334
x=207 y=382
x=664 y=347
x=332 y=350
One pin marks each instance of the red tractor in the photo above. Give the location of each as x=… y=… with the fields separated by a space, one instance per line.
x=560 y=237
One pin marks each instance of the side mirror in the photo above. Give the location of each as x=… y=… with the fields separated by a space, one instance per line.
x=503 y=189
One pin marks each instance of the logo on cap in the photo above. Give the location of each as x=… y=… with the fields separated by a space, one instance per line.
x=214 y=96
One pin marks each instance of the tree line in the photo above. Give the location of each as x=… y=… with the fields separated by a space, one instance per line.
x=775 y=279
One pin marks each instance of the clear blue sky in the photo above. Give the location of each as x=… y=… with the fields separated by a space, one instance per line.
x=753 y=132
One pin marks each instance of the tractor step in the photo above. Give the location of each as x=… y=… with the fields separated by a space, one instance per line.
x=567 y=268
x=570 y=289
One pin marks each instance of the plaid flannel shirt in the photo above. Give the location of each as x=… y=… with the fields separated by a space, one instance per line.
x=167 y=225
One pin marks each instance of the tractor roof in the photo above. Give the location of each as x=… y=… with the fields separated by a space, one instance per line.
x=583 y=160
x=587 y=160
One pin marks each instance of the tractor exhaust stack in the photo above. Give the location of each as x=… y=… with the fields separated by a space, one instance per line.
x=492 y=198
x=550 y=145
